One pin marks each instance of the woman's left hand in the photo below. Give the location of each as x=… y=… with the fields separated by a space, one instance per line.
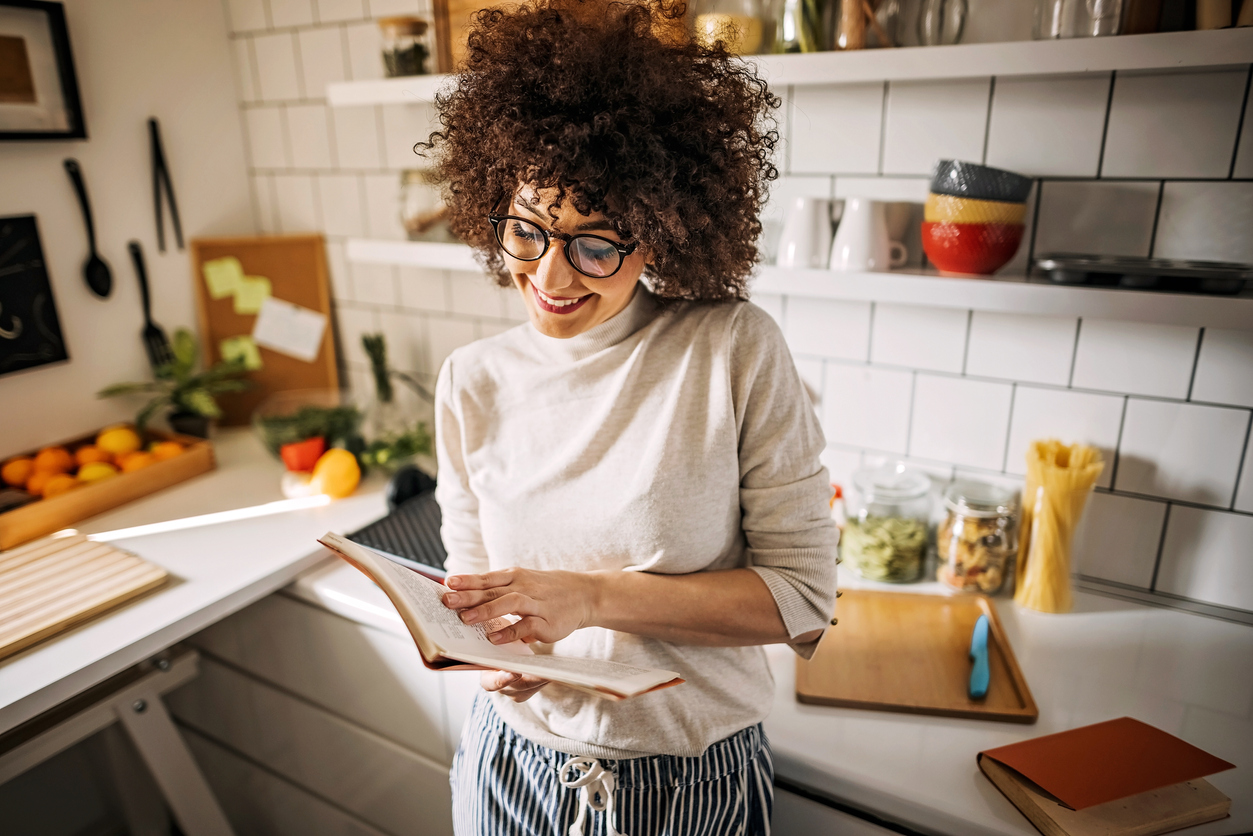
x=552 y=604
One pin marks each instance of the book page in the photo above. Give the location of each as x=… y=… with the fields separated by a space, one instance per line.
x=594 y=673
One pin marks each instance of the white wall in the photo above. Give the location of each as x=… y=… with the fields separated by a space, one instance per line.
x=134 y=59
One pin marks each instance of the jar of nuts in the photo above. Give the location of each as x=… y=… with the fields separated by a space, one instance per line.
x=978 y=538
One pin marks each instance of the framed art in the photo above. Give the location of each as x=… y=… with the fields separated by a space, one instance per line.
x=38 y=87
x=30 y=331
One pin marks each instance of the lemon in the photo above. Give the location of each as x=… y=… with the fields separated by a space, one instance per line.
x=119 y=440
x=95 y=471
x=336 y=474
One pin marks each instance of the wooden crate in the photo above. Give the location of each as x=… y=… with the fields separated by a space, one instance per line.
x=44 y=516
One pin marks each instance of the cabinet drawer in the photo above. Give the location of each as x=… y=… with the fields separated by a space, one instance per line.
x=381 y=782
x=795 y=815
x=372 y=678
x=258 y=804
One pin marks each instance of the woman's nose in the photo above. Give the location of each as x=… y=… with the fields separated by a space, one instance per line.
x=553 y=271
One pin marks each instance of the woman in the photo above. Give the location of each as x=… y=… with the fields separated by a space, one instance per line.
x=634 y=473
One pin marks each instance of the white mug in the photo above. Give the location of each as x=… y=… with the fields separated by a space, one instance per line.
x=806 y=236
x=861 y=240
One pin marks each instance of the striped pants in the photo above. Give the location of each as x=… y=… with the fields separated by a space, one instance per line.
x=505 y=785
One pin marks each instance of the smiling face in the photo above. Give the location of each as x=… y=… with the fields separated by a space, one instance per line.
x=560 y=301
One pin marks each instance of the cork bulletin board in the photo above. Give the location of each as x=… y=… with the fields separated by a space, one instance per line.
x=295 y=266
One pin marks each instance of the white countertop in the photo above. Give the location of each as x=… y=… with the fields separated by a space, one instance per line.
x=1187 y=674
x=216 y=570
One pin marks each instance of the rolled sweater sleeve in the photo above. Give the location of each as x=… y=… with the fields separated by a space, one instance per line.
x=459 y=507
x=784 y=488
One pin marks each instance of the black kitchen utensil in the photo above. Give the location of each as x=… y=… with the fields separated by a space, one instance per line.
x=96 y=270
x=155 y=341
x=161 y=177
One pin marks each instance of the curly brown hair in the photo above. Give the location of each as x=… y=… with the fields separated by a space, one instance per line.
x=623 y=114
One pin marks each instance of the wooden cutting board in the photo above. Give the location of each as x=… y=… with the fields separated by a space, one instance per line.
x=50 y=585
x=900 y=651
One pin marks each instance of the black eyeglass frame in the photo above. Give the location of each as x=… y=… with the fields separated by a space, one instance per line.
x=624 y=250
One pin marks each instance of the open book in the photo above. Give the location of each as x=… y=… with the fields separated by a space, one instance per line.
x=447 y=644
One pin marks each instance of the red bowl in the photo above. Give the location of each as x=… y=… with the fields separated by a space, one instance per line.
x=970 y=248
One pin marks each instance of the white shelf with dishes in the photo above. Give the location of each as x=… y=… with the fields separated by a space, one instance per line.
x=1003 y=294
x=1163 y=50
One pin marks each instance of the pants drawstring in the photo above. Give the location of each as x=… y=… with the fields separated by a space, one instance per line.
x=596 y=785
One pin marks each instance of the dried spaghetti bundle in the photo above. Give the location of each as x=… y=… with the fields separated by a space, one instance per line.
x=1059 y=479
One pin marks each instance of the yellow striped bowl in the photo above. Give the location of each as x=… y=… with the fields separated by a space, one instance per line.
x=966 y=210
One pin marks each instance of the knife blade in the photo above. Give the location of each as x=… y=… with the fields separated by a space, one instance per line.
x=980 y=675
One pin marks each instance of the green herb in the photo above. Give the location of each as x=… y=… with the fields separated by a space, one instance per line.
x=393 y=449
x=376 y=348
x=337 y=424
x=885 y=548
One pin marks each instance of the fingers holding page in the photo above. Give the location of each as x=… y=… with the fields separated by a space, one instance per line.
x=515 y=686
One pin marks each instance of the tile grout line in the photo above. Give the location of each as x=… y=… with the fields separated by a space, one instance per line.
x=1244 y=460
x=300 y=67
x=1109 y=107
x=987 y=122
x=883 y=127
x=1122 y=422
x=1157 y=216
x=970 y=316
x=789 y=119
x=909 y=425
x=1074 y=354
x=1035 y=224
x=1244 y=108
x=1196 y=362
x=1161 y=547
x=269 y=15
x=870 y=329
x=1013 y=394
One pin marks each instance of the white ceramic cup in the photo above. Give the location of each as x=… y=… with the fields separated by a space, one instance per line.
x=861 y=240
x=806 y=237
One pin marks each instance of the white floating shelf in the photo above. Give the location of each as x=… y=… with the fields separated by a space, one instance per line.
x=413 y=254
x=1002 y=294
x=1010 y=294
x=1164 y=50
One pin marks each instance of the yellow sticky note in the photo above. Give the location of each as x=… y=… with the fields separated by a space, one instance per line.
x=222 y=276
x=234 y=349
x=252 y=291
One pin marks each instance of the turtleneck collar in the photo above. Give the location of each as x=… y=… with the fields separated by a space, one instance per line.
x=639 y=312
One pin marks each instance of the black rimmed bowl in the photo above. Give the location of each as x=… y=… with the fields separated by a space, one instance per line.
x=981 y=182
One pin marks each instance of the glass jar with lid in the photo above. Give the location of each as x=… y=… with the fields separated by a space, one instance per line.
x=978 y=538
x=406 y=45
x=885 y=538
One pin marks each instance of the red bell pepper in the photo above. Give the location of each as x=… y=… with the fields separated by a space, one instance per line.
x=301 y=456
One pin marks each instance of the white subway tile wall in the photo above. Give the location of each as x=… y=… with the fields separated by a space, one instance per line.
x=1159 y=167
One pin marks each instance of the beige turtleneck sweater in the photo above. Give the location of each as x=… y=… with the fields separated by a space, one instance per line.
x=667 y=440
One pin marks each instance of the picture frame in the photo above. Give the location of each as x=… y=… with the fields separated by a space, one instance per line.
x=39 y=96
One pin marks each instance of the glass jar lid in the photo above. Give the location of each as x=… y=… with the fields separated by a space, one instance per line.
x=395 y=26
x=893 y=482
x=979 y=499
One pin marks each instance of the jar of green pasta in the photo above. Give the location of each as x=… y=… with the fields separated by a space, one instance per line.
x=885 y=538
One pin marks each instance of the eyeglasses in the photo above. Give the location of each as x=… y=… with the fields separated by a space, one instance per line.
x=591 y=255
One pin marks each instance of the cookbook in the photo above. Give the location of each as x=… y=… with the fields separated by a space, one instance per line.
x=445 y=643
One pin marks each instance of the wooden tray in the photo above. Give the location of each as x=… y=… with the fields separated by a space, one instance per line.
x=899 y=651
x=50 y=585
x=44 y=516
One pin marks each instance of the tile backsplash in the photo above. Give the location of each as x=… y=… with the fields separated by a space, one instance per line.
x=1145 y=163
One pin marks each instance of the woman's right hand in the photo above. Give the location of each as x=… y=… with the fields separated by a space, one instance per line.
x=517 y=687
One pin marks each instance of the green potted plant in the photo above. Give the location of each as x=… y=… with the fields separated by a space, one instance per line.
x=190 y=397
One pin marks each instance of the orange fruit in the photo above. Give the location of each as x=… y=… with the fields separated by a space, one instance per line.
x=54 y=460
x=59 y=483
x=162 y=450
x=17 y=471
x=336 y=474
x=35 y=484
x=136 y=461
x=119 y=440
x=95 y=471
x=90 y=454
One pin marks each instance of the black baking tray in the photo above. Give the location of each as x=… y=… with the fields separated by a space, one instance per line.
x=1212 y=277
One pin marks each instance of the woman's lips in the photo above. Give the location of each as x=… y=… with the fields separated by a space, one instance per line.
x=557 y=309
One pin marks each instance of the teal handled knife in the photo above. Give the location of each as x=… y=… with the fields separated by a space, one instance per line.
x=979 y=672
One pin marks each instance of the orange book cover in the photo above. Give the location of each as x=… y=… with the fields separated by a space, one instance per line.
x=1106 y=761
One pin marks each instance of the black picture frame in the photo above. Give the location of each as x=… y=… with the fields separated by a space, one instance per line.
x=70 y=107
x=30 y=330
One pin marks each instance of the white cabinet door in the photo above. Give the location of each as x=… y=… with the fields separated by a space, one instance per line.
x=377 y=780
x=795 y=815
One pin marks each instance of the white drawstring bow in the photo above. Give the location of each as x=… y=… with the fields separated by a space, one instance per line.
x=596 y=785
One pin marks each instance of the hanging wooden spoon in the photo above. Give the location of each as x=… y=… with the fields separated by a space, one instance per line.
x=96 y=270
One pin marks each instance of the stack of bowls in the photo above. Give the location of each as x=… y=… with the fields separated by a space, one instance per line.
x=973 y=217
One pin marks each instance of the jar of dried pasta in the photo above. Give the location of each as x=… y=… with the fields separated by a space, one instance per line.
x=978 y=538
x=885 y=537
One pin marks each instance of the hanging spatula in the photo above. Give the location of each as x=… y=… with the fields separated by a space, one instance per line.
x=155 y=341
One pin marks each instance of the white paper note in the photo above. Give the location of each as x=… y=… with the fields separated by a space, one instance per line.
x=289 y=329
